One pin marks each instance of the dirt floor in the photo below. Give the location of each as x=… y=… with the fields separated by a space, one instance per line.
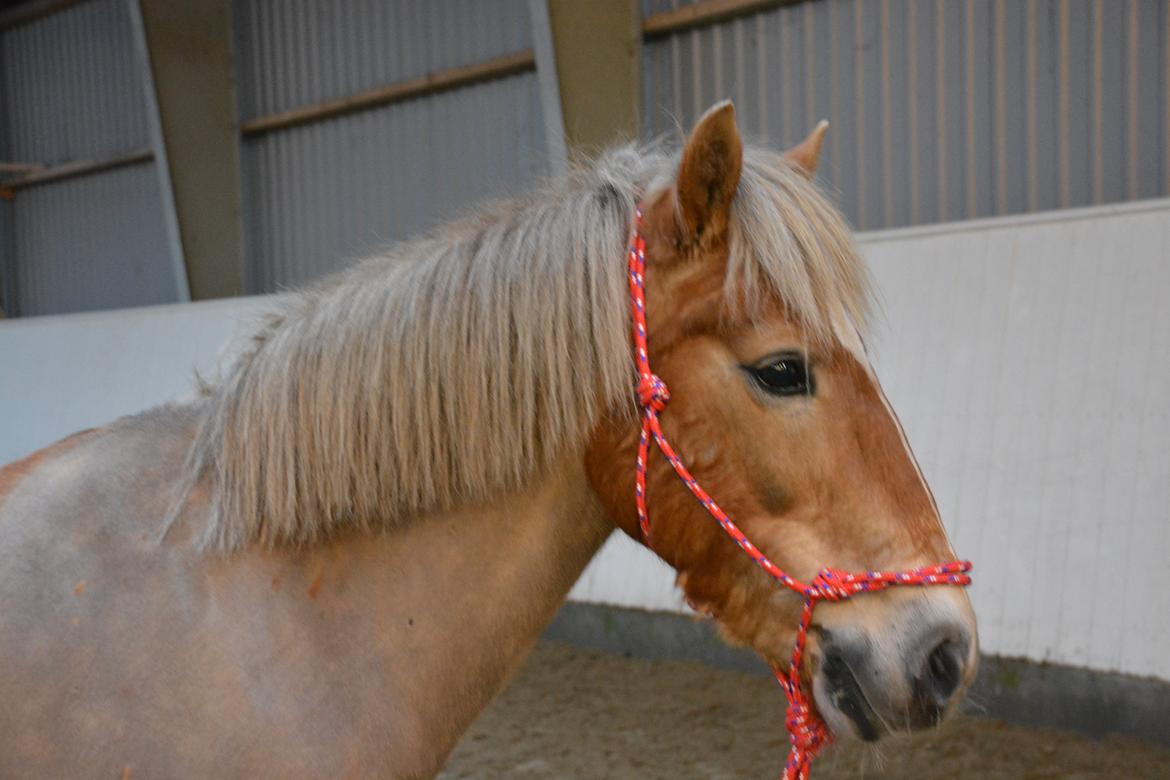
x=574 y=713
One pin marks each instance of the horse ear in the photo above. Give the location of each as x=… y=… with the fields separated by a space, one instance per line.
x=806 y=155
x=709 y=172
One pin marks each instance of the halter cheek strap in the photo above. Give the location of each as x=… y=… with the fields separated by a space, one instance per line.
x=806 y=730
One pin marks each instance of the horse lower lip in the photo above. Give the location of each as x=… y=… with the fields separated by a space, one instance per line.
x=847 y=697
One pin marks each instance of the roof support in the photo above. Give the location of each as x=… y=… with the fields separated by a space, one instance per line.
x=188 y=50
x=597 y=47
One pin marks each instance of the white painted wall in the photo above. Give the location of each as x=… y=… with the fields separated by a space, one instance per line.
x=64 y=373
x=1029 y=360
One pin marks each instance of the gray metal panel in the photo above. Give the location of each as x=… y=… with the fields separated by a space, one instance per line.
x=659 y=6
x=940 y=109
x=321 y=194
x=297 y=52
x=71 y=86
x=7 y=262
x=94 y=242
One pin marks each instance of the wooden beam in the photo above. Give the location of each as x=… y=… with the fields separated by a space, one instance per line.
x=439 y=81
x=30 y=12
x=704 y=14
x=72 y=170
x=20 y=168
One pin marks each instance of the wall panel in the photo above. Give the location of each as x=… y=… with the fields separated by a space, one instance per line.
x=321 y=193
x=940 y=109
x=324 y=193
x=93 y=242
x=71 y=86
x=293 y=53
x=72 y=93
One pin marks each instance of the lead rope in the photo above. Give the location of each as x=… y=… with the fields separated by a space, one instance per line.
x=806 y=730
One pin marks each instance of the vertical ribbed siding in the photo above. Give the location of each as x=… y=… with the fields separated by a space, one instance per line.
x=294 y=53
x=321 y=194
x=94 y=242
x=8 y=300
x=72 y=92
x=940 y=109
x=71 y=86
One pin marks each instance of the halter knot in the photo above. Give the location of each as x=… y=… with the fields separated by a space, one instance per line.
x=807 y=733
x=652 y=392
x=831 y=585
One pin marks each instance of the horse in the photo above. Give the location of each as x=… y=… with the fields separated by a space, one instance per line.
x=332 y=557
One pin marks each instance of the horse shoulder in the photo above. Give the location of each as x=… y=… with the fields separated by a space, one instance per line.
x=113 y=637
x=15 y=472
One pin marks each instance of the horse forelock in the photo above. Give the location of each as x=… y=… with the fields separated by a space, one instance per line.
x=458 y=367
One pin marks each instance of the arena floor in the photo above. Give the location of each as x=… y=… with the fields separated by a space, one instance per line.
x=574 y=713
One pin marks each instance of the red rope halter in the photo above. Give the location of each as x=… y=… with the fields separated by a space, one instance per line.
x=807 y=732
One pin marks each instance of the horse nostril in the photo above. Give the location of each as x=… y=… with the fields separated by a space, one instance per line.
x=942 y=674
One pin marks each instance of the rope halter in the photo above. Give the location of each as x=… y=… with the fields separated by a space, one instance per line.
x=807 y=732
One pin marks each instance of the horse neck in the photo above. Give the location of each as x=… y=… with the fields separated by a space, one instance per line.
x=460 y=598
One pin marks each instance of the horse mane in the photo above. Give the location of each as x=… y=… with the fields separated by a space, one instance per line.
x=459 y=366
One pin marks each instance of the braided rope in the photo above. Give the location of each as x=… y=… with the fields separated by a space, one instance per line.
x=807 y=732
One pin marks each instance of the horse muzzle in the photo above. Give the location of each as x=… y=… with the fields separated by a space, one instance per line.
x=908 y=678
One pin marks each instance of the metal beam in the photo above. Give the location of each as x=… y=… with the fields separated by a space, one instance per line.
x=597 y=47
x=158 y=149
x=7 y=265
x=550 y=90
x=189 y=50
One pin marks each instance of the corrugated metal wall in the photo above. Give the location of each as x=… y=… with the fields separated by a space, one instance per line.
x=321 y=193
x=940 y=109
x=72 y=92
x=93 y=242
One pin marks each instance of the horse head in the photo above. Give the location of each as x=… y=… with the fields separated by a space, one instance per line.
x=755 y=314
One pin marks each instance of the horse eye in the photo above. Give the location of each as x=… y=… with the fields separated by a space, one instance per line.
x=784 y=375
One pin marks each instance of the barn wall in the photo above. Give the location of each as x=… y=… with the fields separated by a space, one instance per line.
x=65 y=373
x=321 y=193
x=72 y=92
x=940 y=109
x=1024 y=355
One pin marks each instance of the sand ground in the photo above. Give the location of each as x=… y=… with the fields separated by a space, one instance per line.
x=574 y=713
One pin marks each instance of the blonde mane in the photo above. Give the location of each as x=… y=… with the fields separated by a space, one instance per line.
x=457 y=367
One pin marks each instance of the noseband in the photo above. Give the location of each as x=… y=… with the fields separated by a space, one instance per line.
x=806 y=730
